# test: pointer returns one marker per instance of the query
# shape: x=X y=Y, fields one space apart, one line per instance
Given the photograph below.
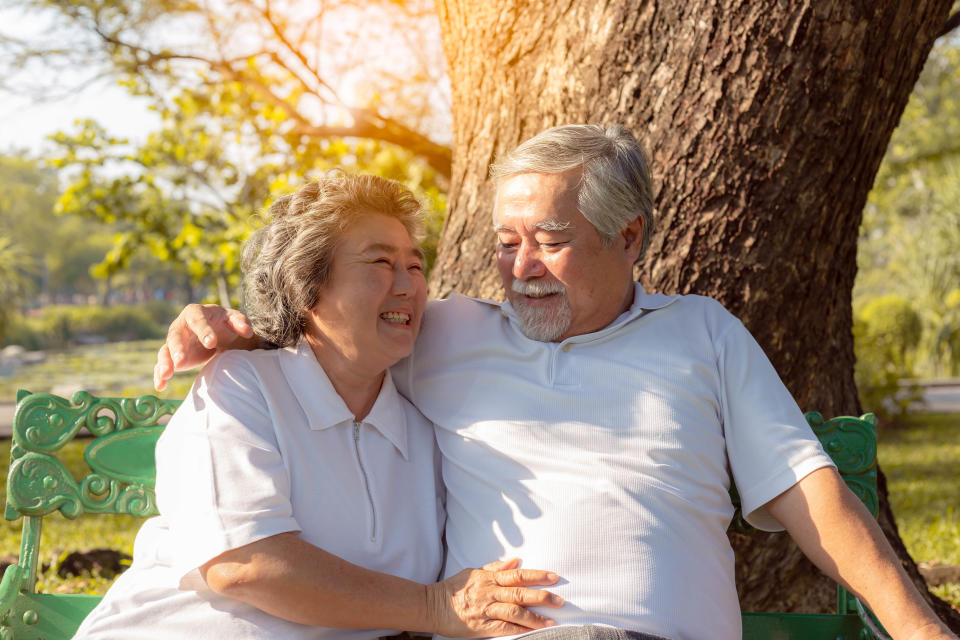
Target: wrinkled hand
x=492 y=601
x=198 y=334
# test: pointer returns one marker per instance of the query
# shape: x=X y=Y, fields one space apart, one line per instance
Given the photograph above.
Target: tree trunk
x=766 y=123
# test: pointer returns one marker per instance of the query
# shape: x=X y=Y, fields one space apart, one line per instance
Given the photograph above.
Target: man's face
x=558 y=275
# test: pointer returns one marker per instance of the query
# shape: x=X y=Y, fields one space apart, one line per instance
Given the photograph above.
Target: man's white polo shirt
x=607 y=457
x=264 y=445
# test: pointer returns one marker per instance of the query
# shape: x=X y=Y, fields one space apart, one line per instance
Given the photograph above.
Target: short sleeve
x=770 y=447
x=221 y=480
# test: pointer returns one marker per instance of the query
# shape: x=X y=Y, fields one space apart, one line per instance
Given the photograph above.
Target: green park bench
x=121 y=481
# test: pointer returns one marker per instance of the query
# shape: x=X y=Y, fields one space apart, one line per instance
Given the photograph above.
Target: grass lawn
x=61 y=536
x=113 y=369
x=920 y=458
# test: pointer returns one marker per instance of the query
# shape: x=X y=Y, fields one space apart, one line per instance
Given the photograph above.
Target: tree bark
x=766 y=124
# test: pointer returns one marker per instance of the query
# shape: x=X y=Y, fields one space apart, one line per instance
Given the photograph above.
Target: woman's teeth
x=396 y=316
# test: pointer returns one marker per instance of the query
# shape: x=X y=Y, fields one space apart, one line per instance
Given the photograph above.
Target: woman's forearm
x=297 y=581
x=292 y=579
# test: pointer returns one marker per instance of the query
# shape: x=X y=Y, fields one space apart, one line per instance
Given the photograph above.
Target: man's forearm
x=834 y=529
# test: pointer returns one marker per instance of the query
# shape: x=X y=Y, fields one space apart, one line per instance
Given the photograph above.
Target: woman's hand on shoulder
x=199 y=333
x=492 y=601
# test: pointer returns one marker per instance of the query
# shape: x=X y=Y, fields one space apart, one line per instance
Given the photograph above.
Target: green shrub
x=886 y=332
x=946 y=334
x=61 y=326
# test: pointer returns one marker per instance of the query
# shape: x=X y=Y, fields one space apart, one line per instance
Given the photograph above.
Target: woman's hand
x=491 y=601
x=198 y=334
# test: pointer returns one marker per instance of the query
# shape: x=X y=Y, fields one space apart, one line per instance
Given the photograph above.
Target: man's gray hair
x=615 y=187
x=287 y=263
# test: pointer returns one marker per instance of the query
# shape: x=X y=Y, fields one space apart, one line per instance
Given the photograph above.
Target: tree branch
x=952 y=23
x=438 y=156
x=278 y=31
x=145 y=57
x=367 y=123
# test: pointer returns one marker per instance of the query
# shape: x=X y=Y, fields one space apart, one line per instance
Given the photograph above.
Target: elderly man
x=594 y=429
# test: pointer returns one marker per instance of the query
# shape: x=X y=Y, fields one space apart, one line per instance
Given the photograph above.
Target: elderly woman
x=298 y=491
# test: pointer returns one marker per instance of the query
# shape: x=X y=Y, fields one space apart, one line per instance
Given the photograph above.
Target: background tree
x=14 y=281
x=766 y=124
x=886 y=332
x=191 y=194
x=53 y=256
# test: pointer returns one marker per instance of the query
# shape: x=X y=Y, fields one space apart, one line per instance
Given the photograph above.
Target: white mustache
x=537 y=288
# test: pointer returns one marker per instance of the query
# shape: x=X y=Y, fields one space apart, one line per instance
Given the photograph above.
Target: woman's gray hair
x=287 y=263
x=615 y=187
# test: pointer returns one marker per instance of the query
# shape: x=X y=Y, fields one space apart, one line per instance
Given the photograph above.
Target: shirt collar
x=642 y=303
x=325 y=408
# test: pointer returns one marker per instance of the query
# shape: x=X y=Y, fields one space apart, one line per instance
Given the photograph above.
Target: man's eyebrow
x=389 y=248
x=546 y=225
x=553 y=225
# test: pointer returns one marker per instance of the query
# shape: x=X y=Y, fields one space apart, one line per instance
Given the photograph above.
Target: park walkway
x=6 y=419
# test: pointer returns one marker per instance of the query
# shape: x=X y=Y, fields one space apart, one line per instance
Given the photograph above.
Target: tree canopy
x=248 y=107
x=337 y=69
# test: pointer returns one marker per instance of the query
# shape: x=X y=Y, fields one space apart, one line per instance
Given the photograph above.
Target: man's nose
x=527 y=263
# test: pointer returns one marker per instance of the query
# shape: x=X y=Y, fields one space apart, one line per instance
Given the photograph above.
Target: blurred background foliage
x=907 y=294
x=250 y=100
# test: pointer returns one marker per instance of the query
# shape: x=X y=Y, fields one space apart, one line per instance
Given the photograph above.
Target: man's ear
x=633 y=238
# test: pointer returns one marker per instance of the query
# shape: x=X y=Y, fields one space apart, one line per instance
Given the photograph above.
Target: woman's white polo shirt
x=264 y=445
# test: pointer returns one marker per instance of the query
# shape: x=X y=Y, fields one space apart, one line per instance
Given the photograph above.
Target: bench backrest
x=121 y=480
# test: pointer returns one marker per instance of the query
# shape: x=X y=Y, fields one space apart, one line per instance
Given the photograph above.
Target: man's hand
x=491 y=601
x=198 y=334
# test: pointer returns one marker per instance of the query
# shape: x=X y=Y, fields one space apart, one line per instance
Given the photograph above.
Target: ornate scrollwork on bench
x=120 y=457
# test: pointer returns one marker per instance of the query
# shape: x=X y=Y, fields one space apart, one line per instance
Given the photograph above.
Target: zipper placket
x=366 y=479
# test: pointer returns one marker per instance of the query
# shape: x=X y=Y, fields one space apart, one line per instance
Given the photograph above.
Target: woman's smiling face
x=369 y=311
